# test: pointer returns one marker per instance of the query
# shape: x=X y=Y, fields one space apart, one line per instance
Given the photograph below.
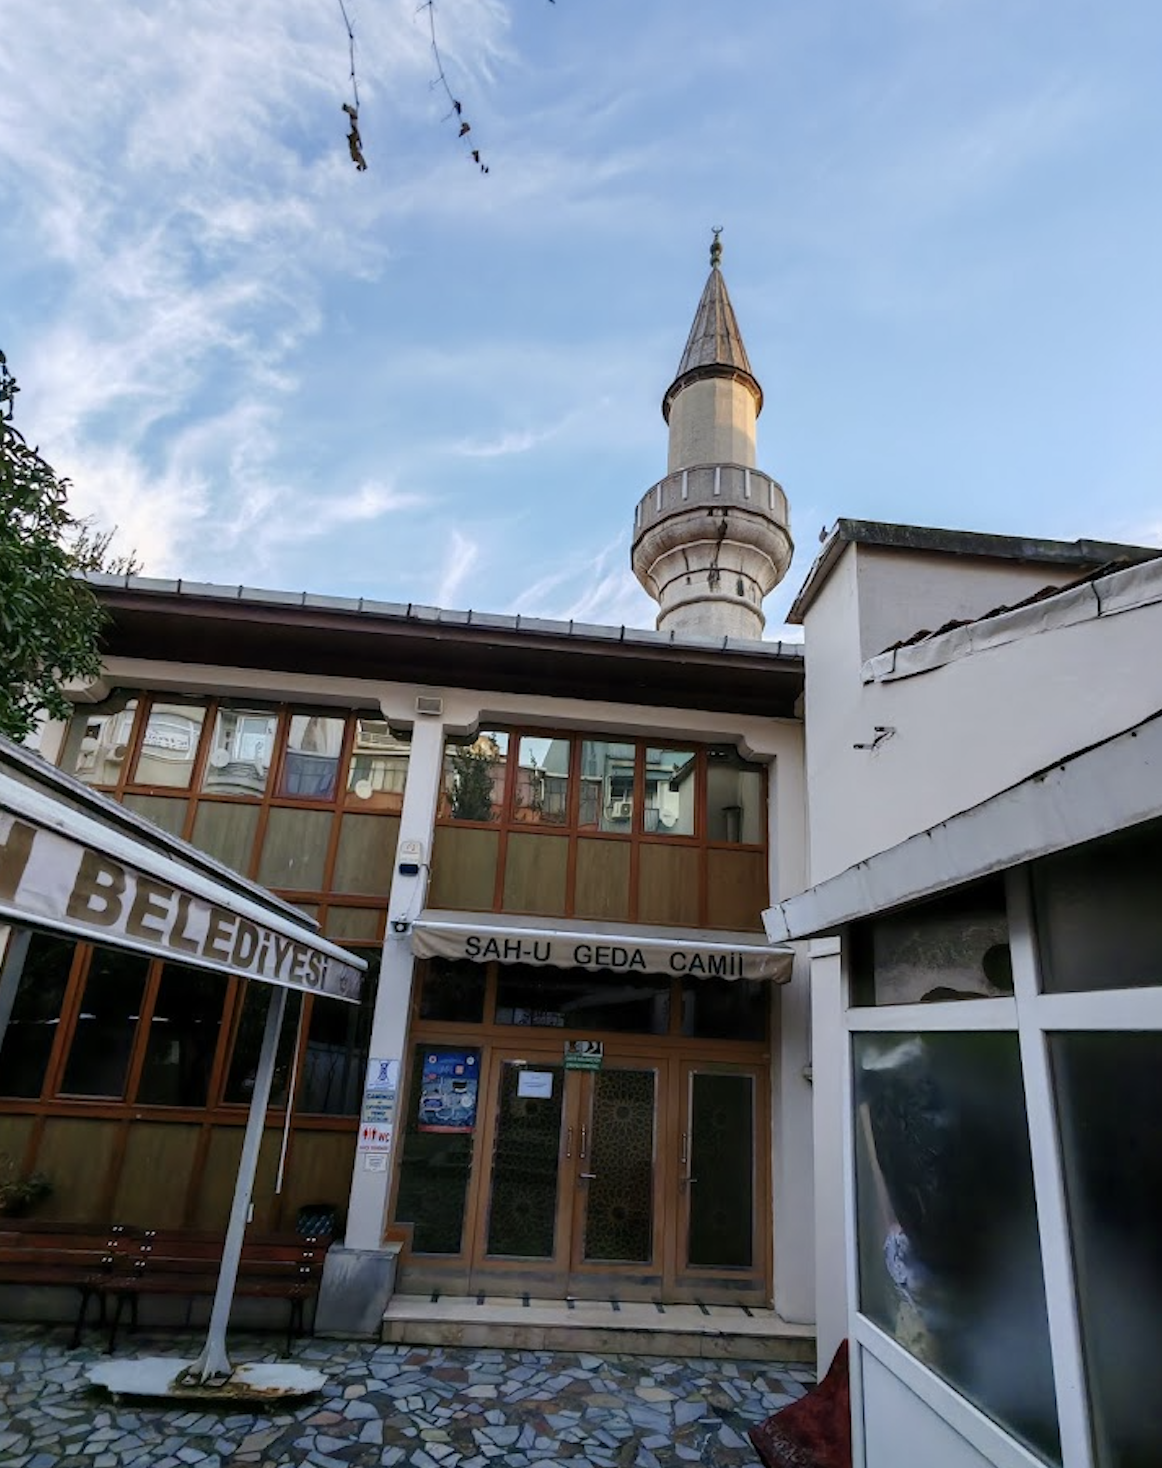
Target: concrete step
x=599 y=1327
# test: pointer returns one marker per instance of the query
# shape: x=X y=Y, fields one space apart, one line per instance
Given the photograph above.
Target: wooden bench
x=73 y=1256
x=185 y=1265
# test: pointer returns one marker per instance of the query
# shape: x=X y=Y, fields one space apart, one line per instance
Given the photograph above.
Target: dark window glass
x=183 y=1036
x=1099 y=921
x=453 y=990
x=103 y=1038
x=722 y=1009
x=434 y=1169
x=35 y=1015
x=722 y=1124
x=949 y=1253
x=578 y=1000
x=335 y=1060
x=248 y=1043
x=1111 y=1134
x=956 y=947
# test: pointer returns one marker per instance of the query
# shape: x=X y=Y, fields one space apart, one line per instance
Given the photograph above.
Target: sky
x=421 y=383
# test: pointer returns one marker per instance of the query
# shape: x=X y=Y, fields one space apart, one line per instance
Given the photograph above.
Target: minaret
x=712 y=537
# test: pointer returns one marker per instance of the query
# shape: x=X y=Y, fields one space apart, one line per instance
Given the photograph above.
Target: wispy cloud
x=460 y=557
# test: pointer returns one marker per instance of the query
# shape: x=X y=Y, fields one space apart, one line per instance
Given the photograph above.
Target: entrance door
x=572 y=1188
x=722 y=1186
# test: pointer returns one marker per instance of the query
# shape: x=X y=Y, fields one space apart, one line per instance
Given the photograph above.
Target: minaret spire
x=712 y=538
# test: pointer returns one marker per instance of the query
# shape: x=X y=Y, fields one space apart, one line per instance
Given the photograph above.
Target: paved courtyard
x=383 y=1405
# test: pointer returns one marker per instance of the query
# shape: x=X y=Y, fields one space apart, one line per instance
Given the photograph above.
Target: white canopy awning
x=619 y=948
x=63 y=868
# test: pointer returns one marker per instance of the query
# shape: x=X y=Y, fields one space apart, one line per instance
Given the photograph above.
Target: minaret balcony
x=709 y=487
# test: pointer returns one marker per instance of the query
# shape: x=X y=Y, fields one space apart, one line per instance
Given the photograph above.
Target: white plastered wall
x=959 y=734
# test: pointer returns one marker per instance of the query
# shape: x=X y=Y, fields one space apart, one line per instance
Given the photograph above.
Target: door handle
x=587 y=1176
x=685 y=1180
x=584 y=1143
x=568 y=1143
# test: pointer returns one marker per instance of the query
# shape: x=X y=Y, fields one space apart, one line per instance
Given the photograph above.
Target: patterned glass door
x=617 y=1223
x=722 y=1184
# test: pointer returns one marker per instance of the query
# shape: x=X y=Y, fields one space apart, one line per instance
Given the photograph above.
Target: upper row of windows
x=247 y=752
x=242 y=752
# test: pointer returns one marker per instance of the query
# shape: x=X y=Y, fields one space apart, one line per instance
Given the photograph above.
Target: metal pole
x=13 y=951
x=212 y=1368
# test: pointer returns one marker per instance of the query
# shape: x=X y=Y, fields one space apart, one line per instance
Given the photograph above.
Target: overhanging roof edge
x=1093 y=792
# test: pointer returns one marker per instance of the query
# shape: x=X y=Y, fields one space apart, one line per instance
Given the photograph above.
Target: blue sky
x=942 y=230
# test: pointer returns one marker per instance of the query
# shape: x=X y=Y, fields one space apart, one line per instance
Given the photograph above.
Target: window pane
x=1107 y=1097
x=671 y=786
x=241 y=751
x=1099 y=920
x=226 y=831
x=734 y=798
x=166 y=811
x=248 y=1043
x=335 y=1059
x=110 y=1008
x=311 y=764
x=434 y=1167
x=97 y=744
x=183 y=1036
x=725 y=1009
x=956 y=947
x=453 y=989
x=949 y=1254
x=474 y=778
x=606 y=786
x=578 y=1000
x=378 y=771
x=542 y=781
x=722 y=1126
x=169 y=745
x=35 y=1015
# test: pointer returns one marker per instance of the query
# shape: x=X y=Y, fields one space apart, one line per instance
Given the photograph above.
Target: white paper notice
x=537 y=1083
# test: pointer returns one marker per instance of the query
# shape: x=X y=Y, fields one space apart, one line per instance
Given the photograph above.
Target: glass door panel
x=617 y=1168
x=719 y=1180
x=526 y=1157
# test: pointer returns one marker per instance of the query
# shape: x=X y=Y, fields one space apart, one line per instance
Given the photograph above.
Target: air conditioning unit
x=432 y=707
x=620 y=810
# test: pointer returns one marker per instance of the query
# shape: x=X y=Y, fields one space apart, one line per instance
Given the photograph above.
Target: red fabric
x=815 y=1431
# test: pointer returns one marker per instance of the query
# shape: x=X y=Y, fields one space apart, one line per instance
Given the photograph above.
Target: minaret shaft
x=712 y=538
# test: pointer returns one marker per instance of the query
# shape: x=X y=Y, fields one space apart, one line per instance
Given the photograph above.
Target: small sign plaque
x=584 y=1054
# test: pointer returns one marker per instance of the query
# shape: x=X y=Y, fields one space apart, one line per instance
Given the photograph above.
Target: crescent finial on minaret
x=716 y=249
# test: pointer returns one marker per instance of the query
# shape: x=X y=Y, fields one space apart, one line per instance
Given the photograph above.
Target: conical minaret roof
x=714 y=347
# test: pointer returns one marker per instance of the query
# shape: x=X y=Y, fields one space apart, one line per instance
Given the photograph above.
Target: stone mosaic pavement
x=385 y=1405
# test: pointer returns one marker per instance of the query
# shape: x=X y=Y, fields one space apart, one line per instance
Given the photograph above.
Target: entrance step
x=600 y=1327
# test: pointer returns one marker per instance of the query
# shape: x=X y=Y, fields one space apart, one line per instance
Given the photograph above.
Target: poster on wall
x=448 y=1087
x=377 y=1116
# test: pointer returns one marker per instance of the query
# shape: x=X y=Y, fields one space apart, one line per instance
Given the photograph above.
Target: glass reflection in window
x=335 y=1054
x=97 y=744
x=103 y=1038
x=474 y=777
x=734 y=798
x=377 y=774
x=248 y=1045
x=240 y=753
x=949 y=1253
x=607 y=771
x=671 y=785
x=35 y=1017
x=183 y=1036
x=169 y=745
x=311 y=762
x=542 y=781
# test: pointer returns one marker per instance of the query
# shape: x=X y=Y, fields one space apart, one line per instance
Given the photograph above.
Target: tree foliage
x=49 y=619
x=471 y=793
